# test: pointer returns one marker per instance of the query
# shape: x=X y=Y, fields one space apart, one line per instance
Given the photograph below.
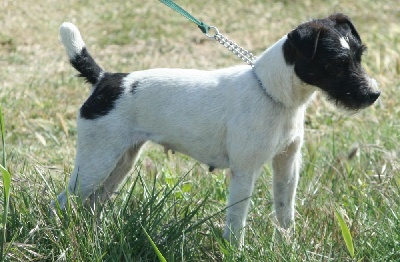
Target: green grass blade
x=6 y=186
x=160 y=256
x=345 y=233
x=2 y=129
x=6 y=181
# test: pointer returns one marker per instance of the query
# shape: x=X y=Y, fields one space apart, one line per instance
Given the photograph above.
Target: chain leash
x=239 y=51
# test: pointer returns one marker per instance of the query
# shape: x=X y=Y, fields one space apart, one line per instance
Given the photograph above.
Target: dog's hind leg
x=286 y=168
x=118 y=175
x=98 y=156
x=89 y=173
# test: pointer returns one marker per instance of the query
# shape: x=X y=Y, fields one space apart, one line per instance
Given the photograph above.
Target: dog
x=238 y=117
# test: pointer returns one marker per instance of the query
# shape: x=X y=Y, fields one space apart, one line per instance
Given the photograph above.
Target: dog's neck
x=272 y=71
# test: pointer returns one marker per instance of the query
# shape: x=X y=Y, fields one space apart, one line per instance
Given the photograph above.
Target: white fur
x=222 y=118
x=71 y=38
x=344 y=43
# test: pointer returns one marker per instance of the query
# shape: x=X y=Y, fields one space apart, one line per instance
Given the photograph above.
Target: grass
x=350 y=162
x=6 y=189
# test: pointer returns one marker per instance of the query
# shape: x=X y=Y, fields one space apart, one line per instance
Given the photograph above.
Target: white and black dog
x=238 y=117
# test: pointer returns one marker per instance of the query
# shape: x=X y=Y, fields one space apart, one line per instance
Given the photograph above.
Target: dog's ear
x=341 y=21
x=305 y=39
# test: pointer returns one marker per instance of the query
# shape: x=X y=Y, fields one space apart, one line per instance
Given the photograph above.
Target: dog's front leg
x=286 y=167
x=240 y=190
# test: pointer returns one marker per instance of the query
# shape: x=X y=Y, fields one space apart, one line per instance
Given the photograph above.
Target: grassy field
x=351 y=162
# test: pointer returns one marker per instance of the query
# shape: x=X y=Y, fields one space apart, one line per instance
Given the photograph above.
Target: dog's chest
x=275 y=134
x=291 y=128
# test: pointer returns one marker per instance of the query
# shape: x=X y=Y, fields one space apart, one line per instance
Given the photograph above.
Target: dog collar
x=265 y=89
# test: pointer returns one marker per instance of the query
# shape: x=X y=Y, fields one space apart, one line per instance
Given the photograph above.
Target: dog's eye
x=335 y=68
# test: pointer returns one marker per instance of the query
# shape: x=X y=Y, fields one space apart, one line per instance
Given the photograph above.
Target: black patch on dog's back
x=103 y=98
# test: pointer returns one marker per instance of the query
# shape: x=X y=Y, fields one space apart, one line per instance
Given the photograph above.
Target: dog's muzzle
x=374 y=93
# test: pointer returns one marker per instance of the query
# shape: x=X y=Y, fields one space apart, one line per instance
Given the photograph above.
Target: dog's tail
x=78 y=55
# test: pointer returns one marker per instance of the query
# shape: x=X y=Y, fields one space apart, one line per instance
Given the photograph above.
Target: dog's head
x=327 y=53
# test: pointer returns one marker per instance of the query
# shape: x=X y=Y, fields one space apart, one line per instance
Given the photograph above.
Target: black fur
x=103 y=98
x=319 y=59
x=86 y=66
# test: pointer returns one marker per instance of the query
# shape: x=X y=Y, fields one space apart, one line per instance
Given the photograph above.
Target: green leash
x=171 y=4
x=242 y=53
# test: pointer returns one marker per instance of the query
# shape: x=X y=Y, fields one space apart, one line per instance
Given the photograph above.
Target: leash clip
x=215 y=30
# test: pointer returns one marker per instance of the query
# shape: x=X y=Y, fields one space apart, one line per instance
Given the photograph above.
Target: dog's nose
x=374 y=95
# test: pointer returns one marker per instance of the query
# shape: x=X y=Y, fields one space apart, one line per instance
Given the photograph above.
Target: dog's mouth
x=356 y=98
x=355 y=103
